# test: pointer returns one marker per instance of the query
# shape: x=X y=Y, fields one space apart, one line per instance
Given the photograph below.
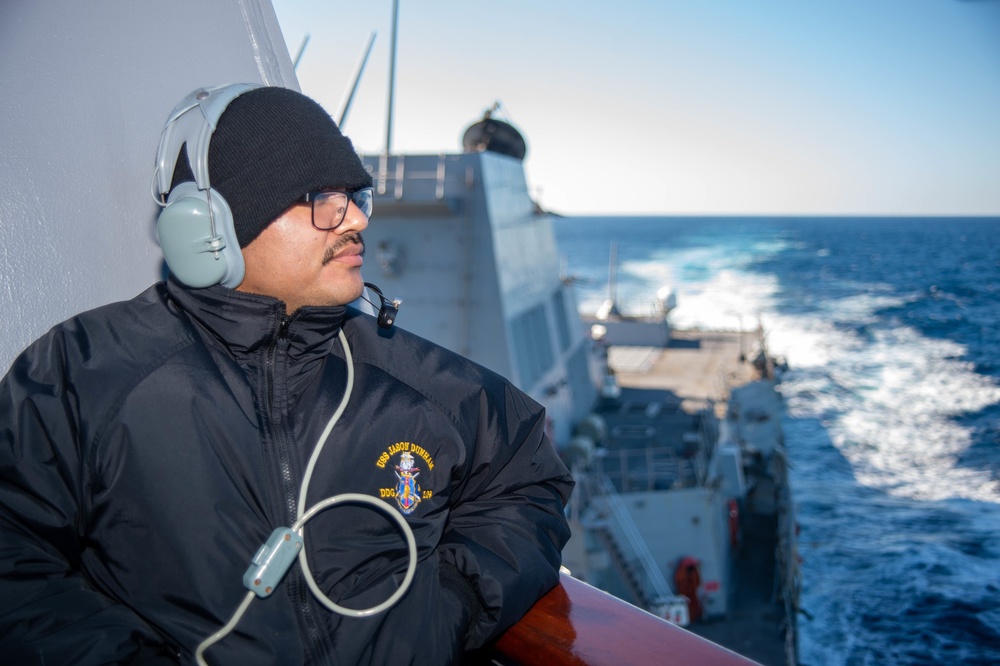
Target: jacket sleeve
x=506 y=527
x=49 y=611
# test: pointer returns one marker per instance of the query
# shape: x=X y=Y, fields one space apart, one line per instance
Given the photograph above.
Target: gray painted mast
x=383 y=162
x=392 y=77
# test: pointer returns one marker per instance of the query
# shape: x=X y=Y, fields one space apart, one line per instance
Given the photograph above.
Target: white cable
x=348 y=497
x=321 y=442
x=411 y=545
x=305 y=516
x=158 y=200
x=222 y=633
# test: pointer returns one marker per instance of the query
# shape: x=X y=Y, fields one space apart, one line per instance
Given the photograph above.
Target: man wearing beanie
x=163 y=459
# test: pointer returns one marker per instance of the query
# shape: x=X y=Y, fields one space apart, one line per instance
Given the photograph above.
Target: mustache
x=350 y=238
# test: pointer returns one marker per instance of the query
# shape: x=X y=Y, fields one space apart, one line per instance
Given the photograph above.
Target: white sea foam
x=730 y=301
x=804 y=344
x=712 y=289
x=900 y=435
x=888 y=404
x=861 y=308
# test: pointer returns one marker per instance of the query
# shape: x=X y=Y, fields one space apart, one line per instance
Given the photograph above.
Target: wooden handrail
x=575 y=624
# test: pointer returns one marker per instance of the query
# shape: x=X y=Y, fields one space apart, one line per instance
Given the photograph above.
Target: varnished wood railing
x=578 y=625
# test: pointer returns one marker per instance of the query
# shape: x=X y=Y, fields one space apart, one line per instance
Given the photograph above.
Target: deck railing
x=578 y=625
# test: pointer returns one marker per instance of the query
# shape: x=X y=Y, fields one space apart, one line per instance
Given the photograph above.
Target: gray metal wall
x=86 y=87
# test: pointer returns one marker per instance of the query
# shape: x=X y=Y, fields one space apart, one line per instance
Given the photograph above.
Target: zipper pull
x=282 y=337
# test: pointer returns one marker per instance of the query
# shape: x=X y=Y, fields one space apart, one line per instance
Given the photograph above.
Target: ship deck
x=693 y=372
x=695 y=366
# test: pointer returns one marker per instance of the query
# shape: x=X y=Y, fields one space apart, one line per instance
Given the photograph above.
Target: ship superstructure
x=458 y=240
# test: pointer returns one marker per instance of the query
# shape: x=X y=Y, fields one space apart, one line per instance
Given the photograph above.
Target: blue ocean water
x=891 y=327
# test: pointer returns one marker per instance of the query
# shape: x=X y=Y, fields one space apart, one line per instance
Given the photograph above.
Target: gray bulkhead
x=87 y=88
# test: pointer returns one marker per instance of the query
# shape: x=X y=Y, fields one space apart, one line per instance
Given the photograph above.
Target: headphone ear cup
x=194 y=255
x=195 y=228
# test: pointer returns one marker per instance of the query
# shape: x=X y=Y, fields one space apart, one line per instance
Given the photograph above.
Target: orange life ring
x=687 y=578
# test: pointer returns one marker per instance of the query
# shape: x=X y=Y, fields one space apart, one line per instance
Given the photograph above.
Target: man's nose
x=354 y=219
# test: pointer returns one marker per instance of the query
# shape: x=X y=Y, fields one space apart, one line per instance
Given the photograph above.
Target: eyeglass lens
x=330 y=208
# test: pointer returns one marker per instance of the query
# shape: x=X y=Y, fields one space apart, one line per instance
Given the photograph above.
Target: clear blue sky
x=686 y=106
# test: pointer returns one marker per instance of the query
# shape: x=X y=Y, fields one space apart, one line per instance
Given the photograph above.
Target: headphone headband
x=195 y=131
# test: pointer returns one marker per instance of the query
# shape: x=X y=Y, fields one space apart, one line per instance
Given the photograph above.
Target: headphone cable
x=285 y=538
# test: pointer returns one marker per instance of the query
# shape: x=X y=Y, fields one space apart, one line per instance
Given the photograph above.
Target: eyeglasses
x=329 y=207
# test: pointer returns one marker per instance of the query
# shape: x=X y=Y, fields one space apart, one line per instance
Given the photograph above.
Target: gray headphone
x=195 y=228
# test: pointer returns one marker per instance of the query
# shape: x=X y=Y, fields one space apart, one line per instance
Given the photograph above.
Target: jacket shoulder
x=127 y=333
x=96 y=352
x=444 y=377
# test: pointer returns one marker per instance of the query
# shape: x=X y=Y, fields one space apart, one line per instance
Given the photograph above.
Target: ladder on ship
x=620 y=536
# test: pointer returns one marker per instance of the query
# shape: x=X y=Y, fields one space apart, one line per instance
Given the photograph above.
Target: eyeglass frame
x=364 y=205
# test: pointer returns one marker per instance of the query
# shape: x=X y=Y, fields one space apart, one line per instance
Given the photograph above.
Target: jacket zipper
x=299 y=592
x=275 y=420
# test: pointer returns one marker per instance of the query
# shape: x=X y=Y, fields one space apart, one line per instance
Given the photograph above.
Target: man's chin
x=356 y=296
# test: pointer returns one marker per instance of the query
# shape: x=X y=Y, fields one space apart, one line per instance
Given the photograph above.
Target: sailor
x=149 y=448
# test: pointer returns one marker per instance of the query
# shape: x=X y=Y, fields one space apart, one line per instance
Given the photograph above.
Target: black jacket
x=148 y=448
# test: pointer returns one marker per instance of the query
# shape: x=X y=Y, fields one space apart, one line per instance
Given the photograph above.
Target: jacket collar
x=246 y=323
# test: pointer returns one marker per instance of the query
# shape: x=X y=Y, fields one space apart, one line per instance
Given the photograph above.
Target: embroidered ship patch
x=407 y=490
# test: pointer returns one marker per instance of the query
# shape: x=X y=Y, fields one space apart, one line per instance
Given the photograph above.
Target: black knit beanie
x=272 y=146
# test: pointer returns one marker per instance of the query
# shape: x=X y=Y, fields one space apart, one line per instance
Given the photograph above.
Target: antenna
x=298 y=56
x=609 y=308
x=357 y=80
x=613 y=274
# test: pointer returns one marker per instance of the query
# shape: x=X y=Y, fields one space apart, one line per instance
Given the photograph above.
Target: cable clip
x=272 y=561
